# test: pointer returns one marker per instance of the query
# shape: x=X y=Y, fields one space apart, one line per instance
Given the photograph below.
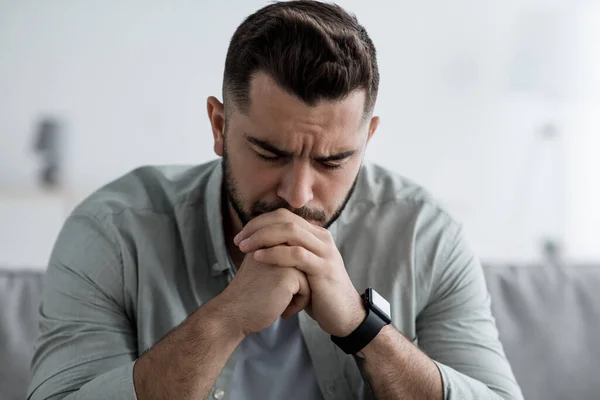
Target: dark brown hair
x=316 y=51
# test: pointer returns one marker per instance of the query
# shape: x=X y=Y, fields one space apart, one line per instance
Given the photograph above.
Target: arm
x=393 y=365
x=87 y=344
x=456 y=329
x=188 y=361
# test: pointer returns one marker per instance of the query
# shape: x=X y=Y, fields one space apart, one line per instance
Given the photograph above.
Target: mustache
x=307 y=213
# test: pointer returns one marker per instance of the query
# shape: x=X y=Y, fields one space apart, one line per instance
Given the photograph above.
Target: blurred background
x=494 y=106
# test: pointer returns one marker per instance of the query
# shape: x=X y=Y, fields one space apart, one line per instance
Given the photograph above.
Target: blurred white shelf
x=37 y=192
x=30 y=219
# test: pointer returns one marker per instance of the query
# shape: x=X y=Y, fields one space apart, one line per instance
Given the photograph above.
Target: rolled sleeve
x=457 y=330
x=87 y=344
x=116 y=384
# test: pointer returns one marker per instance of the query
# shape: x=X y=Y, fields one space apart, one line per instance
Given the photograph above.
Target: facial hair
x=261 y=207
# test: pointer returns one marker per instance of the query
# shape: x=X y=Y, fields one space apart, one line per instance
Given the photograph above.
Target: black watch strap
x=363 y=335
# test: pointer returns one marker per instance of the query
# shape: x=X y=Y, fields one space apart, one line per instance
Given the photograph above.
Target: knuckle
x=286 y=279
x=325 y=234
x=321 y=230
x=322 y=233
x=298 y=253
x=290 y=226
x=256 y=236
x=250 y=224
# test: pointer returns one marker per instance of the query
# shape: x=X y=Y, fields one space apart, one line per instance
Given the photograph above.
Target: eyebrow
x=282 y=153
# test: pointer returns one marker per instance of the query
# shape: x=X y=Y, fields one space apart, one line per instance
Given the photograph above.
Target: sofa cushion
x=20 y=294
x=548 y=319
x=549 y=324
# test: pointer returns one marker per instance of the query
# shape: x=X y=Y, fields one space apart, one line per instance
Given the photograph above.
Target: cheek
x=330 y=191
x=255 y=182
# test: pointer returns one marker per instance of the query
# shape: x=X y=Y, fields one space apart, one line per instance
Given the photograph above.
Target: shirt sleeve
x=86 y=346
x=457 y=330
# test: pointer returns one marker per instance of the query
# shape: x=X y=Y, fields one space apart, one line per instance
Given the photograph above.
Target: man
x=242 y=279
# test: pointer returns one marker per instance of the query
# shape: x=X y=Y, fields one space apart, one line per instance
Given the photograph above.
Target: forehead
x=273 y=111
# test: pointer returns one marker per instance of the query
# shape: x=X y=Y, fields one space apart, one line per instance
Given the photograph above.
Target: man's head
x=299 y=89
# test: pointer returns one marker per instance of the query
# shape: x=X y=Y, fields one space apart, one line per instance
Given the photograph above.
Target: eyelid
x=338 y=158
x=335 y=162
x=265 y=153
x=269 y=156
x=332 y=166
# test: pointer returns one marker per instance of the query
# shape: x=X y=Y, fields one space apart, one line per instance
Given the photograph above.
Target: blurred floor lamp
x=543 y=69
x=48 y=145
x=557 y=63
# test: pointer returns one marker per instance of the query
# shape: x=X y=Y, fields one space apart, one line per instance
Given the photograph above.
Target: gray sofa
x=548 y=318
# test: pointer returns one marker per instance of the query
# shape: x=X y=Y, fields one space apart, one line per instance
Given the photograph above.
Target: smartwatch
x=378 y=316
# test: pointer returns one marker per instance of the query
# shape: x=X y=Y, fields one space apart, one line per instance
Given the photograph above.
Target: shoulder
x=149 y=189
x=385 y=195
x=129 y=221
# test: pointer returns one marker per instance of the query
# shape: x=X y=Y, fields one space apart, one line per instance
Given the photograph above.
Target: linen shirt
x=145 y=251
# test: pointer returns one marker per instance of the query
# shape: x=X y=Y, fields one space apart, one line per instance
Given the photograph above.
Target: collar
x=214 y=217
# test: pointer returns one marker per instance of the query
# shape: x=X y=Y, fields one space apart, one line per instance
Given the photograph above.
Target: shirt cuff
x=115 y=384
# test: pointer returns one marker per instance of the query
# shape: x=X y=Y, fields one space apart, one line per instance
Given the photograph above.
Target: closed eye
x=275 y=158
x=268 y=158
x=331 y=166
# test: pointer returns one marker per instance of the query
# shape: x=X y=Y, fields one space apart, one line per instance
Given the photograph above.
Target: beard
x=232 y=194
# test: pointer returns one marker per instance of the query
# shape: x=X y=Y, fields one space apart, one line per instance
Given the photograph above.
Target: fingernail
x=237 y=238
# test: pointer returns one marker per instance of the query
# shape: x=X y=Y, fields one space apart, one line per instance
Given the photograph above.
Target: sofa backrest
x=548 y=319
x=20 y=294
x=549 y=324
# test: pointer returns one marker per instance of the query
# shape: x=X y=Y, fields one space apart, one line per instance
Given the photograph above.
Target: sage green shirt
x=144 y=252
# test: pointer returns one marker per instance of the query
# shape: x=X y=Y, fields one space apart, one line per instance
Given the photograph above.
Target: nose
x=296 y=184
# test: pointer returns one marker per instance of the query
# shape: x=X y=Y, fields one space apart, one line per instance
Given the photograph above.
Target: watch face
x=379 y=302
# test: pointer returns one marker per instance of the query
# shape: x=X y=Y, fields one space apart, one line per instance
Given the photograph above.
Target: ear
x=216 y=115
x=373 y=127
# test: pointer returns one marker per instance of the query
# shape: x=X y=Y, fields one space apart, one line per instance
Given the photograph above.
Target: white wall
x=465 y=87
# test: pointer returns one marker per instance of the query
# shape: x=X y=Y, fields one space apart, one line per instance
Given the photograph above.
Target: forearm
x=395 y=368
x=186 y=363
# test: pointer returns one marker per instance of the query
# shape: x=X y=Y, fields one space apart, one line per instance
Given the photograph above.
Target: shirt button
x=219 y=394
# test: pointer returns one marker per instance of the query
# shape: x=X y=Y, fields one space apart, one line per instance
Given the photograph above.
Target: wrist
x=377 y=345
x=376 y=317
x=356 y=315
x=356 y=318
x=217 y=316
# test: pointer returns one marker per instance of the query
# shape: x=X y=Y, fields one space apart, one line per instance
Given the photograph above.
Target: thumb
x=301 y=299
